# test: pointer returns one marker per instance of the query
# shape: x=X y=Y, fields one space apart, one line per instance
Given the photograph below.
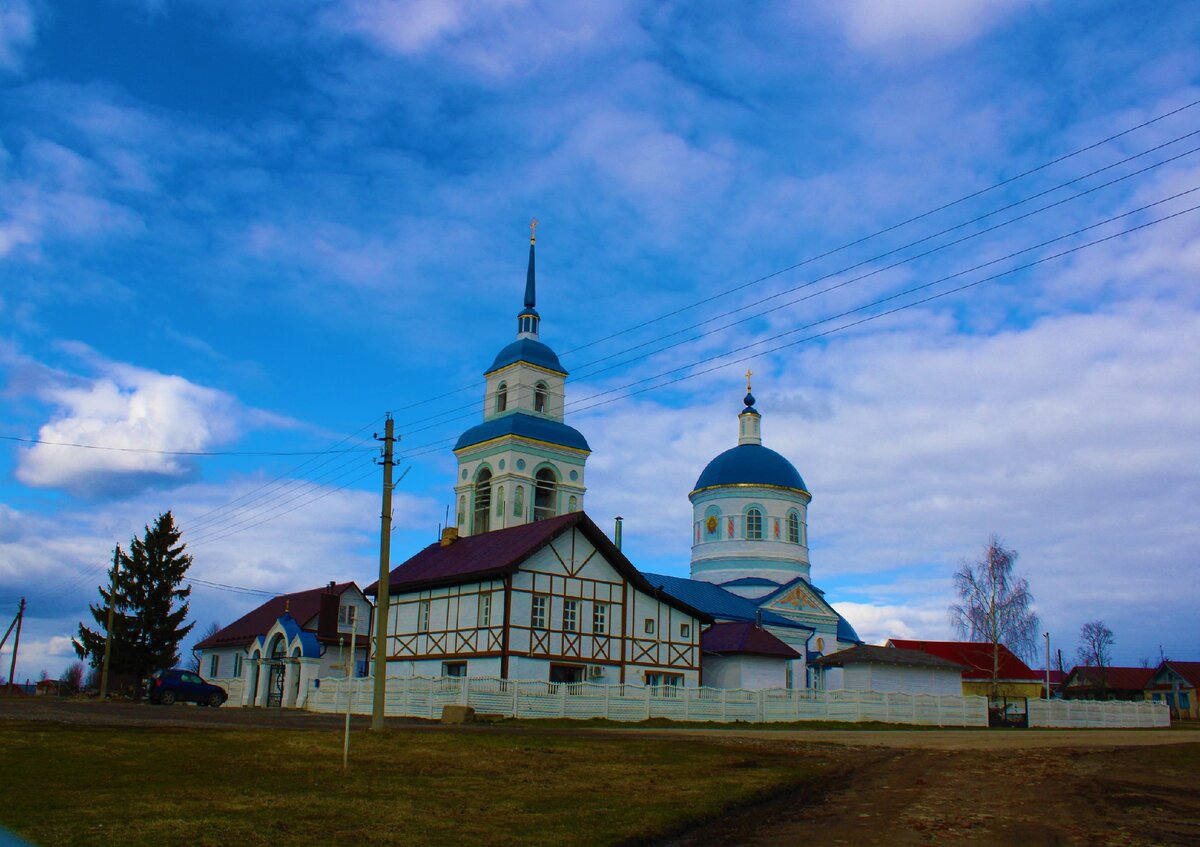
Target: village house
x=1109 y=683
x=278 y=647
x=1176 y=684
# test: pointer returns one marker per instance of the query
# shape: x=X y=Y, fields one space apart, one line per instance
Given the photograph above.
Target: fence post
x=647 y=690
x=516 y=699
x=762 y=705
x=562 y=699
x=464 y=696
x=724 y=711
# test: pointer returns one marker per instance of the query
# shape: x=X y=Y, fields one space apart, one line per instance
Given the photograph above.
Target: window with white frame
x=570 y=616
x=685 y=631
x=237 y=664
x=423 y=617
x=656 y=678
x=793 y=528
x=754 y=524
x=454 y=668
x=600 y=618
x=344 y=615
x=537 y=612
x=648 y=626
x=214 y=665
x=484 y=618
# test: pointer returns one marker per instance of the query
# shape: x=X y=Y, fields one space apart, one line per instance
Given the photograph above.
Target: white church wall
x=744 y=671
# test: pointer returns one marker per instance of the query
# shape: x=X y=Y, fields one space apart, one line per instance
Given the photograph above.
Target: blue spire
x=530 y=286
x=528 y=319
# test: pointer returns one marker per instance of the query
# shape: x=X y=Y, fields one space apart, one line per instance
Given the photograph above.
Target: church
x=526 y=586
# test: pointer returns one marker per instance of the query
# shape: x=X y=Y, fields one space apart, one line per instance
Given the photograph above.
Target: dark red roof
x=301 y=605
x=1188 y=670
x=975 y=656
x=501 y=551
x=743 y=637
x=1117 y=679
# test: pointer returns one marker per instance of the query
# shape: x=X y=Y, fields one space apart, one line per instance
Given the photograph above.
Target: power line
x=444 y=416
x=448 y=415
x=891 y=228
x=181 y=452
x=429 y=447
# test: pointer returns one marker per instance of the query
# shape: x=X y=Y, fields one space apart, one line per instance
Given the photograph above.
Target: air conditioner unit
x=595 y=671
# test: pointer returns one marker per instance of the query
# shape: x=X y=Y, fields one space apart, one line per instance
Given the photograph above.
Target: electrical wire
x=177 y=452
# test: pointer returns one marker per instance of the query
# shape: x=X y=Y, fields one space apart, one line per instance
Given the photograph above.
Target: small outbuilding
x=1014 y=678
x=889 y=669
x=1086 y=682
x=738 y=654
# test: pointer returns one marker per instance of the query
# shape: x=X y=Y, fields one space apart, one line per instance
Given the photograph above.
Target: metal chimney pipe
x=617 y=532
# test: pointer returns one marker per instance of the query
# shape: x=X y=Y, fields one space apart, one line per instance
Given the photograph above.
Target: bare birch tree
x=995 y=605
x=1095 y=651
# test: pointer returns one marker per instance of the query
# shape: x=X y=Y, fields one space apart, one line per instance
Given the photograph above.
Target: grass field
x=85 y=785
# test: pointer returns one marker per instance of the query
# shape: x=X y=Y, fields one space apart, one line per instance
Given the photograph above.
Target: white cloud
x=884 y=26
x=18 y=29
x=125 y=407
x=495 y=37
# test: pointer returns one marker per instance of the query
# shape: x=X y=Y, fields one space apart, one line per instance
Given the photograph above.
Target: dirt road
x=1001 y=794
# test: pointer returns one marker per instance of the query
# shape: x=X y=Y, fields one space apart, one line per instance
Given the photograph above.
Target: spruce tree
x=149 y=606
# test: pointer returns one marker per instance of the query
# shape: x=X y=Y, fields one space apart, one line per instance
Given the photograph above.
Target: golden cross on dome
x=533 y=231
x=749 y=373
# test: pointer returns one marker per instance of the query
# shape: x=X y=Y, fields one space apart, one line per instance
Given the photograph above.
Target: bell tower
x=522 y=464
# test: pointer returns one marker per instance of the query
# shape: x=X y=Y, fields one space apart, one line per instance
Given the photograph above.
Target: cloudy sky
x=954 y=241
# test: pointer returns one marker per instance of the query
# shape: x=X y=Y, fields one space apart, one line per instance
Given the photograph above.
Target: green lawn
x=84 y=785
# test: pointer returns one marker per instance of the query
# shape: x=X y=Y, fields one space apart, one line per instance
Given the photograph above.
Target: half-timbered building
x=553 y=600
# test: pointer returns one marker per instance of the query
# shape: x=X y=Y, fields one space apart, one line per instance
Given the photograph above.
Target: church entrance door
x=275 y=685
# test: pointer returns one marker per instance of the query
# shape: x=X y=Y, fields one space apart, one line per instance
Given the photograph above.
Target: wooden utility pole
x=12 y=667
x=112 y=602
x=381 y=595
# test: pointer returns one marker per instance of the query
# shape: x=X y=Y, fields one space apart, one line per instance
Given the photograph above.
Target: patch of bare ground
x=1108 y=797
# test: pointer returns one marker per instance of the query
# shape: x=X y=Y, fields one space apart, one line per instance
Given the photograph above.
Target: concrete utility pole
x=112 y=596
x=381 y=596
x=1047 y=664
x=12 y=668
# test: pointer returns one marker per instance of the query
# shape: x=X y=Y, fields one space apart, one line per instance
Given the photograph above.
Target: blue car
x=166 y=687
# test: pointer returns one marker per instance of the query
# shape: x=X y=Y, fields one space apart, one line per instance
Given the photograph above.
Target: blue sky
x=259 y=227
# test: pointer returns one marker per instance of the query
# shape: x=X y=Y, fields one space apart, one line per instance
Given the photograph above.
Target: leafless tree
x=1095 y=645
x=44 y=675
x=995 y=605
x=72 y=678
x=1095 y=651
x=213 y=629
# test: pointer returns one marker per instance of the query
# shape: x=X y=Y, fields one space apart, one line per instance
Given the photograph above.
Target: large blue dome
x=527 y=350
x=750 y=464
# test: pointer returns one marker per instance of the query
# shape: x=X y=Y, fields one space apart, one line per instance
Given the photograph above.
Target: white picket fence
x=233 y=688
x=424 y=697
x=1093 y=714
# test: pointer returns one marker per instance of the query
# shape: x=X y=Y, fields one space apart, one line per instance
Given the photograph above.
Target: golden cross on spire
x=749 y=373
x=533 y=231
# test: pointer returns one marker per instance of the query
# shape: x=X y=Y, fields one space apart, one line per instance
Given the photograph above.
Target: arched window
x=754 y=525
x=545 y=497
x=793 y=528
x=462 y=510
x=572 y=504
x=539 y=397
x=501 y=397
x=519 y=502
x=500 y=502
x=483 y=500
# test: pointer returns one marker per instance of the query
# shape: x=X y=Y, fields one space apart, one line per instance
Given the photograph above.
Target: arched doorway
x=277 y=652
x=483 y=501
x=545 y=497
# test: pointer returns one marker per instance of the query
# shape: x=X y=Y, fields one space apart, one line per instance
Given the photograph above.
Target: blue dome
x=750 y=464
x=525 y=426
x=527 y=350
